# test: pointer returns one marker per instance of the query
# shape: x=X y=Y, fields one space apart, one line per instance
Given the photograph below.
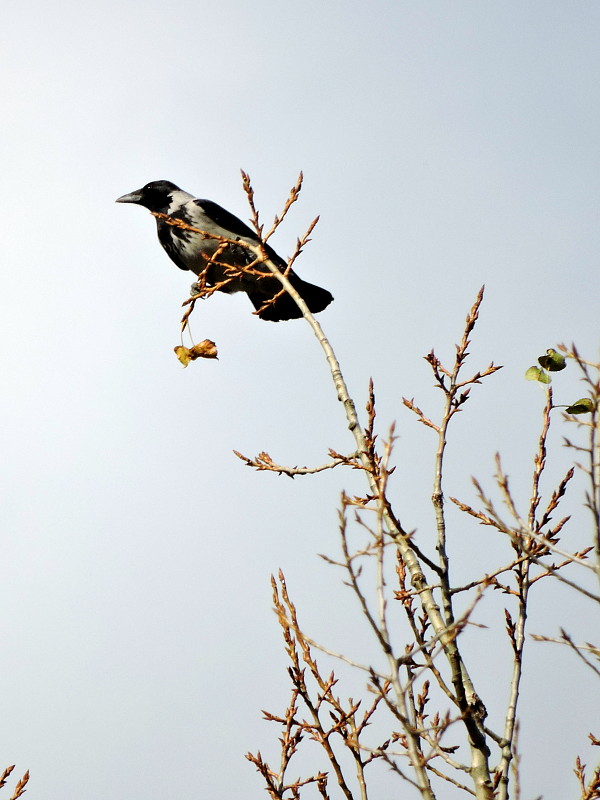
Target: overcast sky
x=445 y=145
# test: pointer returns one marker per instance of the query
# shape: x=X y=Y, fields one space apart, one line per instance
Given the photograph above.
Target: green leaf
x=582 y=406
x=537 y=374
x=552 y=361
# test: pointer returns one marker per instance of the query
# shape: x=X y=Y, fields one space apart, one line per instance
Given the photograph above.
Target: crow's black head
x=155 y=196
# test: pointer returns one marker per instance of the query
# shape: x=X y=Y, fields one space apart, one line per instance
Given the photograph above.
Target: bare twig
x=263 y=461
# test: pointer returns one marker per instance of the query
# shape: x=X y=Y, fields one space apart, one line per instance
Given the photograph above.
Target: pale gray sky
x=445 y=145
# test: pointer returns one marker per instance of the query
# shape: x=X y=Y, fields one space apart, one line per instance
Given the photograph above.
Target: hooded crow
x=193 y=251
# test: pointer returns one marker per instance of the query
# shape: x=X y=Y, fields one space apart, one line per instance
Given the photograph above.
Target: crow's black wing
x=225 y=219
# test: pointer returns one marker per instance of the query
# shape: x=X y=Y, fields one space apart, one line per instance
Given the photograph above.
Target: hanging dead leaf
x=205 y=349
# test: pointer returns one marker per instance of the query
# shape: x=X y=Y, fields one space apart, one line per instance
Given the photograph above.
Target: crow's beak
x=132 y=197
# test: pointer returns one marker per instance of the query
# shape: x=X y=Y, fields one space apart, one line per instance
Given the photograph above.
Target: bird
x=193 y=251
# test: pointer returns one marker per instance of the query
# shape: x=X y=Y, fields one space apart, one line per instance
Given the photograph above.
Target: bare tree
x=421 y=715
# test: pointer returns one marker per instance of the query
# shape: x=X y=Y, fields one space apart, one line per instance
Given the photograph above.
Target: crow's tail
x=284 y=307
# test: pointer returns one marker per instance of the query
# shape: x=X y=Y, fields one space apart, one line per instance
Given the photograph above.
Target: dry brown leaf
x=205 y=349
